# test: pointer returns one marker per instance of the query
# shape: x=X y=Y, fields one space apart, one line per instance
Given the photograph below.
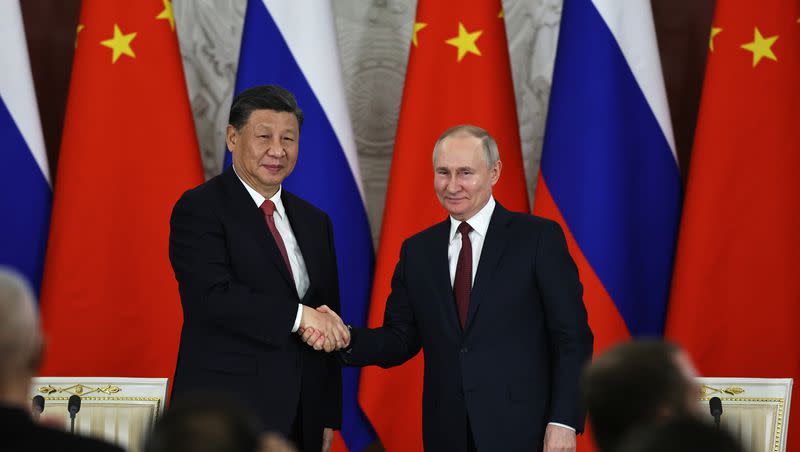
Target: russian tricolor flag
x=609 y=170
x=293 y=44
x=25 y=194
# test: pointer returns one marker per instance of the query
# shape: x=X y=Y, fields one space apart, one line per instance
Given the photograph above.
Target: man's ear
x=231 y=137
x=498 y=167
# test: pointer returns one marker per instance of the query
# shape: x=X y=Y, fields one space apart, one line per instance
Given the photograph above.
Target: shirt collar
x=479 y=222
x=259 y=199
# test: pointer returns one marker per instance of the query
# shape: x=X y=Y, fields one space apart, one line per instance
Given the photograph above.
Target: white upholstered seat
x=755 y=410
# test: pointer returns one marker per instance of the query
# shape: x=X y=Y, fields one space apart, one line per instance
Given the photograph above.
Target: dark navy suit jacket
x=516 y=366
x=239 y=305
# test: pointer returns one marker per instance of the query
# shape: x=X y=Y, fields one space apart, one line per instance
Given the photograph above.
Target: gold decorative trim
x=79 y=389
x=730 y=390
x=780 y=401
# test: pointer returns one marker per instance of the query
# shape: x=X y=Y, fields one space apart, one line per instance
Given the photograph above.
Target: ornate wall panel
x=210 y=32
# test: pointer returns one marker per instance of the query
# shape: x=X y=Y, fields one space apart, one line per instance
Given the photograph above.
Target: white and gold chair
x=118 y=410
x=754 y=410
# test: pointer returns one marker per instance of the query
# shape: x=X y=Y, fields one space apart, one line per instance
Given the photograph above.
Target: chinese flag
x=110 y=304
x=735 y=301
x=458 y=73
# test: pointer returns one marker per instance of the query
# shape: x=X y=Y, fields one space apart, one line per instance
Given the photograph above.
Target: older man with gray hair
x=20 y=354
x=493 y=298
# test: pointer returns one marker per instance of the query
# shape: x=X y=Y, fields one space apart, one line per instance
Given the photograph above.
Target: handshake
x=322 y=329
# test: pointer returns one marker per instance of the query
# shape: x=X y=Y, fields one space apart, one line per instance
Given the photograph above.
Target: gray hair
x=490 y=150
x=20 y=337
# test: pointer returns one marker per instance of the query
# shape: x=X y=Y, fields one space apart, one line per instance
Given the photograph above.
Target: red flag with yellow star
x=458 y=73
x=735 y=300
x=110 y=303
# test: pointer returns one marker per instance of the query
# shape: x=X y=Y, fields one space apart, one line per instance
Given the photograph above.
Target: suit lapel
x=440 y=270
x=243 y=207
x=493 y=248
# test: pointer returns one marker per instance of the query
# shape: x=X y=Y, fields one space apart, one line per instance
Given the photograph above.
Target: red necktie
x=268 y=207
x=462 y=283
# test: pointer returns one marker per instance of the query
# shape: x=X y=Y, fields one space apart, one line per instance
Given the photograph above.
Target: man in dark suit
x=252 y=262
x=21 y=345
x=493 y=298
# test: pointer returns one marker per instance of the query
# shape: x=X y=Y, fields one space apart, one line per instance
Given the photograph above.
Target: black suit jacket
x=21 y=434
x=516 y=366
x=239 y=305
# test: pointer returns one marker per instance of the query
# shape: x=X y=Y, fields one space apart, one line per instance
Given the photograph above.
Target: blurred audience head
x=20 y=338
x=211 y=423
x=685 y=435
x=636 y=384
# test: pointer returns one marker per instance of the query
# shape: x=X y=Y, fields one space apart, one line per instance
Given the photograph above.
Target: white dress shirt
x=477 y=236
x=480 y=224
x=299 y=271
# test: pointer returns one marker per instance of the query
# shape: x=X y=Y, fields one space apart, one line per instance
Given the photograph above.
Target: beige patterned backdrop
x=374 y=37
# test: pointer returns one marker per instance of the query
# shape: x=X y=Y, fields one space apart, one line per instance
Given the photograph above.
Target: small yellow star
x=167 y=14
x=78 y=32
x=120 y=44
x=501 y=14
x=417 y=27
x=761 y=47
x=465 y=41
x=714 y=31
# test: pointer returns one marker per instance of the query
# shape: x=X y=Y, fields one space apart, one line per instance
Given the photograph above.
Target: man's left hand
x=327 y=439
x=559 y=439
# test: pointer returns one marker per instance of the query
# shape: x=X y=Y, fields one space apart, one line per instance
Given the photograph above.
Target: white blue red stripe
x=293 y=44
x=25 y=193
x=609 y=157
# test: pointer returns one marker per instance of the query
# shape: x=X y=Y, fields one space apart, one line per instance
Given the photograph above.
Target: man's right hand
x=322 y=329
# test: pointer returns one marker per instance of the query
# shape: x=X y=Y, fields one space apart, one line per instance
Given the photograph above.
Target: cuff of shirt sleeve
x=561 y=425
x=297 y=319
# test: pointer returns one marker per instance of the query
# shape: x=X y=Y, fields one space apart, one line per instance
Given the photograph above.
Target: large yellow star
x=417 y=27
x=465 y=41
x=167 y=14
x=761 y=47
x=120 y=44
x=714 y=31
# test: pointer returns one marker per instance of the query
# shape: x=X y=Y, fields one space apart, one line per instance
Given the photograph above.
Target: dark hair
x=685 y=435
x=204 y=423
x=263 y=97
x=632 y=385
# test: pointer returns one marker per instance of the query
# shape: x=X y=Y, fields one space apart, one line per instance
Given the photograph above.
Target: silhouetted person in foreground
x=211 y=423
x=20 y=356
x=635 y=385
x=684 y=435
